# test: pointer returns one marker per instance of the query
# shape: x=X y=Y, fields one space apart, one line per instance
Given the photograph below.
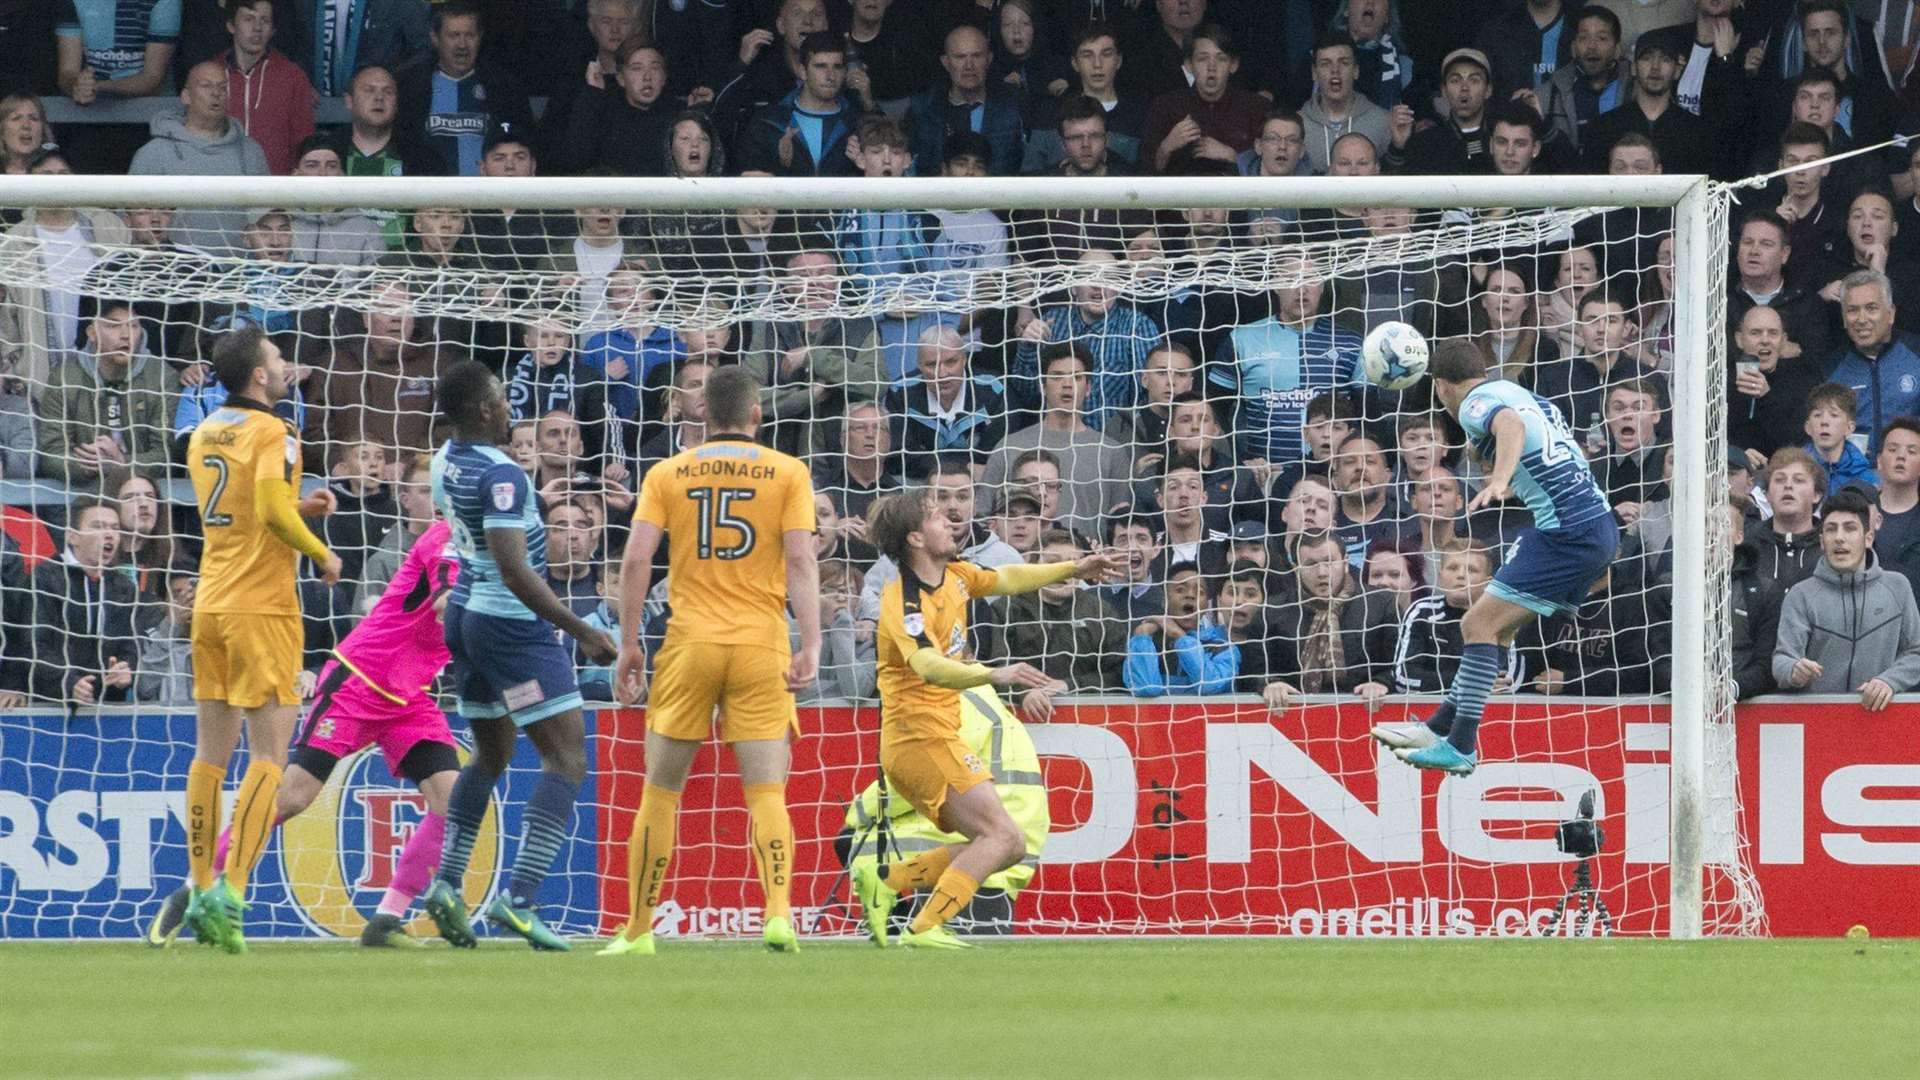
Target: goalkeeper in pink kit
x=376 y=689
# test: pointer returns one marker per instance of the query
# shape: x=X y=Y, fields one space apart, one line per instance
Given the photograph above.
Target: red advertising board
x=1219 y=817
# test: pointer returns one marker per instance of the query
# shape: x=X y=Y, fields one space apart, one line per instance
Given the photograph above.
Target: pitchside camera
x=1581 y=837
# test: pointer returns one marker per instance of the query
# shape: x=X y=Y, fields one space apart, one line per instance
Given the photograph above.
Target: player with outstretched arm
x=1528 y=452
x=923 y=667
x=509 y=669
x=740 y=520
x=376 y=689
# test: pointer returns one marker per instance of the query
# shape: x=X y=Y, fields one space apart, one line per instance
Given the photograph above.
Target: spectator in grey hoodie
x=203 y=142
x=166 y=648
x=1851 y=628
x=333 y=237
x=1337 y=107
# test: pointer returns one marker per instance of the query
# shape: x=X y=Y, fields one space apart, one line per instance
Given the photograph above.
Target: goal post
x=1708 y=890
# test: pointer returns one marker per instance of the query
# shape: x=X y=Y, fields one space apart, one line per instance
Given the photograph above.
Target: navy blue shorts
x=509 y=667
x=1550 y=570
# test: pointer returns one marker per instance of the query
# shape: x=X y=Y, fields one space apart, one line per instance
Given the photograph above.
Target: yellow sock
x=919 y=872
x=949 y=896
x=772 y=835
x=203 y=820
x=648 y=853
x=253 y=816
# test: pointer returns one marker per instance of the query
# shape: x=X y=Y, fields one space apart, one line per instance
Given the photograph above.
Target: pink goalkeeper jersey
x=399 y=647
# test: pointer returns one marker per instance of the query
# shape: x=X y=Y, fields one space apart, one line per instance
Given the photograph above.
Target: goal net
x=1167 y=369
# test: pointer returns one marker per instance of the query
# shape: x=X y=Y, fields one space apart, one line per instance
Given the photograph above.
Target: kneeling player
x=375 y=690
x=922 y=671
x=995 y=733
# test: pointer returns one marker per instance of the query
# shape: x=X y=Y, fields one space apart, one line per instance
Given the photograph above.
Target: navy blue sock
x=1479 y=666
x=1441 y=721
x=466 y=808
x=549 y=812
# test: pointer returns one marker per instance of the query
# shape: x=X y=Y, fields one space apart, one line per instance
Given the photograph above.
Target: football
x=1394 y=356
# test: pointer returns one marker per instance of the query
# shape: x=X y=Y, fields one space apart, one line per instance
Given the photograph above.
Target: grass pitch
x=1014 y=1010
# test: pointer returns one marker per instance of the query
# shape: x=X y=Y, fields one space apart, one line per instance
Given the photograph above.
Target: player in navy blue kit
x=1528 y=452
x=509 y=669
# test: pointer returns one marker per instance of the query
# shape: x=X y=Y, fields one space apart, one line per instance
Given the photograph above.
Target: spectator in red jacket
x=267 y=94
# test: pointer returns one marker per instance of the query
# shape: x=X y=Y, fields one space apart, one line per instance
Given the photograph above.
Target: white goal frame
x=1693 y=200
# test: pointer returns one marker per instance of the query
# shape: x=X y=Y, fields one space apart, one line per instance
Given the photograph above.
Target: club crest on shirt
x=1477 y=410
x=503 y=496
x=973 y=763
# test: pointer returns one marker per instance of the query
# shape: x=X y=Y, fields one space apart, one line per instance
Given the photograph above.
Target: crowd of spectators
x=1288 y=528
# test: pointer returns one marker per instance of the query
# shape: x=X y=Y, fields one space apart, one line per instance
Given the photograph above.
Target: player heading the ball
x=740 y=520
x=1527 y=451
x=923 y=666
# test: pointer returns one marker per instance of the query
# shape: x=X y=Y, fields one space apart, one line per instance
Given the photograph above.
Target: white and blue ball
x=1394 y=356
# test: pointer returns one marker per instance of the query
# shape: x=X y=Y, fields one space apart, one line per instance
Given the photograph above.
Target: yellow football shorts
x=923 y=770
x=247 y=660
x=747 y=683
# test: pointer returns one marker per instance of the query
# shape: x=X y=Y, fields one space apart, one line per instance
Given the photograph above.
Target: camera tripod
x=1584 y=897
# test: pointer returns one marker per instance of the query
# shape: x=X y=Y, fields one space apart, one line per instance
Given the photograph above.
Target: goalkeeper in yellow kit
x=922 y=670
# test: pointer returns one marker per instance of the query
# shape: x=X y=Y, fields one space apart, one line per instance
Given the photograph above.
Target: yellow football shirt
x=244 y=567
x=915 y=615
x=726 y=506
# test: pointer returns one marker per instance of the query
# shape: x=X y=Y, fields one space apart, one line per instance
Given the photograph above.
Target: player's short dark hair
x=464 y=391
x=893 y=518
x=732 y=392
x=1078 y=107
x=1837 y=395
x=1595 y=11
x=821 y=41
x=1908 y=424
x=1455 y=360
x=236 y=355
x=1848 y=501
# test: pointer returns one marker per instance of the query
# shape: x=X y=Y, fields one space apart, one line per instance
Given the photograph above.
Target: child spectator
x=1211 y=121
x=365 y=509
x=805 y=133
x=1790 y=546
x=1897 y=540
x=1428 y=650
x=165 y=676
x=1832 y=411
x=1397 y=571
x=1020 y=522
x=1753 y=613
x=1852 y=627
x=551 y=376
x=1184 y=651
x=596 y=680
x=523 y=446
x=1137 y=594
x=1245 y=615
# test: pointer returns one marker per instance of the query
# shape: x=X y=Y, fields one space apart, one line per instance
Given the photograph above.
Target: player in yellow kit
x=923 y=666
x=740 y=518
x=245 y=465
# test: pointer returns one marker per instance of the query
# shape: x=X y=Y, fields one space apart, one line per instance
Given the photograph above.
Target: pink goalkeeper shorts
x=347 y=716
